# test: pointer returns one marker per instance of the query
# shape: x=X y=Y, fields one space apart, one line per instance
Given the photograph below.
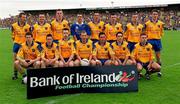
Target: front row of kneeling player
x=84 y=52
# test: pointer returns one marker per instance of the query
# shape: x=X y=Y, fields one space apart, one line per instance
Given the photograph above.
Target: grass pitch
x=165 y=90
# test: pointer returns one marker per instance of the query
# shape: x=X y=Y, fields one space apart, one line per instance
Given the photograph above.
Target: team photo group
x=96 y=43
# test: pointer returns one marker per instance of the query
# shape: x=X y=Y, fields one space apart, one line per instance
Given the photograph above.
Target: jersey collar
x=31 y=44
x=19 y=23
x=47 y=44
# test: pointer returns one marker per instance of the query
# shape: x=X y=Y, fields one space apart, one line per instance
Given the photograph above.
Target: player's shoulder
x=71 y=41
x=102 y=22
x=149 y=21
x=140 y=25
x=47 y=24
x=113 y=44
x=23 y=45
x=53 y=21
x=90 y=23
x=77 y=42
x=119 y=24
x=65 y=21
x=149 y=45
x=137 y=45
x=90 y=41
x=107 y=44
x=54 y=45
x=125 y=43
x=15 y=24
x=160 y=22
x=128 y=24
x=107 y=25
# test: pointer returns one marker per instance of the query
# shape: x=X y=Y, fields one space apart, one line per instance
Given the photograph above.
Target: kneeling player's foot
x=22 y=82
x=14 y=77
x=147 y=76
x=159 y=74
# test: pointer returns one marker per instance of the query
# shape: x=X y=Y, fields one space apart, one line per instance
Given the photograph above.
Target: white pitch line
x=172 y=65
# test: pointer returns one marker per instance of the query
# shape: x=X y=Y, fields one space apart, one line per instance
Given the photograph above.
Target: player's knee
x=129 y=62
x=116 y=63
x=61 y=64
x=76 y=62
x=71 y=64
x=93 y=63
x=139 y=67
x=16 y=62
x=108 y=62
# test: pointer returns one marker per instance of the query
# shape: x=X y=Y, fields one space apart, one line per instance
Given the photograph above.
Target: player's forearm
x=37 y=59
x=71 y=57
x=62 y=59
x=90 y=57
x=94 y=57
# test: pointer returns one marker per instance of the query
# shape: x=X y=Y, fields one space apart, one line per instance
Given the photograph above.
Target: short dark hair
x=29 y=33
x=49 y=35
x=135 y=13
x=143 y=34
x=58 y=10
x=83 y=31
x=41 y=13
x=119 y=33
x=113 y=14
x=102 y=33
x=155 y=10
x=20 y=14
x=65 y=29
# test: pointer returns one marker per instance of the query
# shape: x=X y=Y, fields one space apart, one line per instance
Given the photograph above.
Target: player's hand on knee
x=25 y=63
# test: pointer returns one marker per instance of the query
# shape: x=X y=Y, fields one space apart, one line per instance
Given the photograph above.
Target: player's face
x=79 y=18
x=102 y=38
x=155 y=15
x=113 y=18
x=96 y=16
x=29 y=38
x=23 y=18
x=134 y=18
x=49 y=40
x=84 y=37
x=65 y=34
x=143 y=39
x=59 y=14
x=41 y=18
x=119 y=37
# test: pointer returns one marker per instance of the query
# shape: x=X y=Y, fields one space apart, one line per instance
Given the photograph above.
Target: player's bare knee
x=71 y=64
x=16 y=62
x=61 y=64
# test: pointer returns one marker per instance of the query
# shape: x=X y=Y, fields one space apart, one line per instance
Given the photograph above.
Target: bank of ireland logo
x=125 y=77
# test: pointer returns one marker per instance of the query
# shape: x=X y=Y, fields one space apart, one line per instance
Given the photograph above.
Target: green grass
x=165 y=90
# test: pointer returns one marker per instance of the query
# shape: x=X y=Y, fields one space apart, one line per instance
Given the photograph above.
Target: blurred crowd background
x=170 y=15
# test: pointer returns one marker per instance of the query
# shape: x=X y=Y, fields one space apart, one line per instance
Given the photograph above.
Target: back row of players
x=44 y=45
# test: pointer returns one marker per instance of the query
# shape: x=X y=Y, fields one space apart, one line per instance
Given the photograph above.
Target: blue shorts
x=144 y=65
x=56 y=41
x=66 y=59
x=39 y=46
x=122 y=60
x=16 y=47
x=103 y=61
x=131 y=46
x=156 y=43
x=94 y=40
